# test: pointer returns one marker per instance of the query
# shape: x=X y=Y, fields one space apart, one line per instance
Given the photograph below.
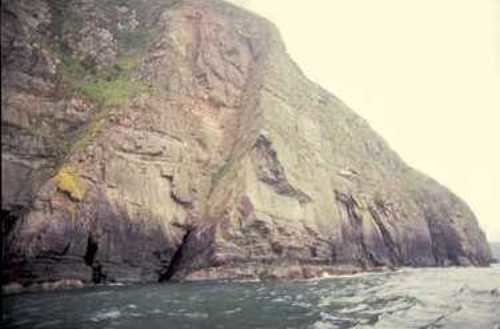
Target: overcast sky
x=424 y=73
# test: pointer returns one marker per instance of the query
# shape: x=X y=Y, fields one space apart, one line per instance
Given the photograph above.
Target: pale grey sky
x=424 y=73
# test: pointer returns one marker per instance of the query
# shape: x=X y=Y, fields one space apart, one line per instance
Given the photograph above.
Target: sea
x=429 y=298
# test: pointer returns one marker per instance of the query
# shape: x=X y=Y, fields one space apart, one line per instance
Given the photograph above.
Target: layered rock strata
x=177 y=140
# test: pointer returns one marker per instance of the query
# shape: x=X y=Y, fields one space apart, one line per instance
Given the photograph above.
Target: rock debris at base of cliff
x=177 y=140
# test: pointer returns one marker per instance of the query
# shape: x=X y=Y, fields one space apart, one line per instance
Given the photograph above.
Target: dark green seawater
x=467 y=298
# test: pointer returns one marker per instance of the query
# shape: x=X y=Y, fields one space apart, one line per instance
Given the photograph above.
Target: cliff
x=159 y=140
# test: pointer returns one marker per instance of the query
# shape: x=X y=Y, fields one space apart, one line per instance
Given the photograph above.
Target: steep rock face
x=156 y=140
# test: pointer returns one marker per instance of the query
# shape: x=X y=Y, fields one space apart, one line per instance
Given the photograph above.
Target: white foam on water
x=233 y=311
x=333 y=319
x=323 y=325
x=108 y=315
x=196 y=315
x=326 y=276
x=278 y=300
x=356 y=308
x=302 y=304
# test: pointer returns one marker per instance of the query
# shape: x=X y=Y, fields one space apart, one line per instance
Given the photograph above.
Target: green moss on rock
x=113 y=93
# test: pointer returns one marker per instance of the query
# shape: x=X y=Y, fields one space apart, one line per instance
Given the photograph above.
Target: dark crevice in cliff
x=8 y=222
x=271 y=171
x=91 y=251
x=350 y=205
x=170 y=270
x=354 y=232
x=98 y=275
x=392 y=248
x=9 y=219
x=445 y=245
x=373 y=259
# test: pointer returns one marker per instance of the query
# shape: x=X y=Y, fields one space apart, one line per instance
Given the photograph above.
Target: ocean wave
x=106 y=315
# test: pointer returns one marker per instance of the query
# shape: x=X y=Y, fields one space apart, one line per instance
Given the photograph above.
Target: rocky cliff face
x=157 y=140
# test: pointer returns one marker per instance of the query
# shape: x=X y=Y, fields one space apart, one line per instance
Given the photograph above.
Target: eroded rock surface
x=157 y=140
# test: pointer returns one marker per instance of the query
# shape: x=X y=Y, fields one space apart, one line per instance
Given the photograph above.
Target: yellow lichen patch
x=68 y=180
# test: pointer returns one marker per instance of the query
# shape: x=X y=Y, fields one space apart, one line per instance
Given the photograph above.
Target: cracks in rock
x=90 y=259
x=271 y=172
x=355 y=230
x=350 y=205
x=276 y=95
x=251 y=48
x=90 y=253
x=392 y=247
x=169 y=271
x=64 y=251
x=445 y=245
x=176 y=194
x=9 y=219
x=183 y=202
x=8 y=222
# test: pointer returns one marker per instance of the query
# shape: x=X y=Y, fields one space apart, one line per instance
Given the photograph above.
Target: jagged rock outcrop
x=157 y=140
